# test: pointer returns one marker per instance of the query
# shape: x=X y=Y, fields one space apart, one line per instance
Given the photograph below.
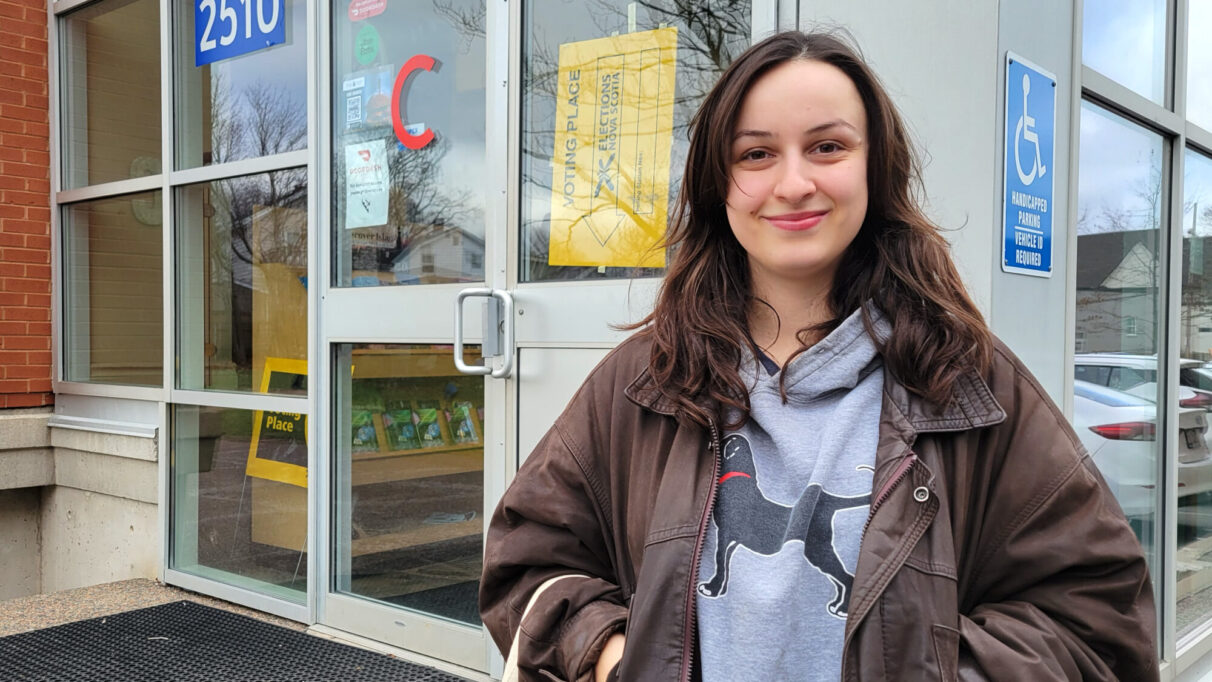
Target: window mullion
x=1172 y=271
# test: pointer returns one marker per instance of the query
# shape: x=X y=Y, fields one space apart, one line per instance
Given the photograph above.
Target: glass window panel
x=1118 y=303
x=242 y=282
x=409 y=214
x=1199 y=63
x=246 y=106
x=113 y=319
x=1194 y=559
x=408 y=514
x=239 y=498
x=1125 y=40
x=111 y=91
x=608 y=223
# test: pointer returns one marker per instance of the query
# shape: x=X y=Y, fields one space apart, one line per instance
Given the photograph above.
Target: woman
x=813 y=461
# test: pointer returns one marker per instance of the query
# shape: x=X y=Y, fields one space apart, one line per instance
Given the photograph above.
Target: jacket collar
x=973 y=406
x=643 y=391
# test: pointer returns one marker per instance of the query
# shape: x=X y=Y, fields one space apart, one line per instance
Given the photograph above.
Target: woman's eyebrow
x=837 y=123
x=751 y=133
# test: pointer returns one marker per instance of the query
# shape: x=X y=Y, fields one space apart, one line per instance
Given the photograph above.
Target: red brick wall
x=25 y=270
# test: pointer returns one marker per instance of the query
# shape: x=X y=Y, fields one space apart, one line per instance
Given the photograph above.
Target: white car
x=1137 y=374
x=1120 y=432
x=1196 y=377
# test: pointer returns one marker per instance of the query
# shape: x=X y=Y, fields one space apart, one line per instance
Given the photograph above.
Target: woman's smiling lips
x=805 y=220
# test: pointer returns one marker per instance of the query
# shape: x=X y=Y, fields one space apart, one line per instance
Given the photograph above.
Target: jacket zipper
x=691 y=592
x=898 y=475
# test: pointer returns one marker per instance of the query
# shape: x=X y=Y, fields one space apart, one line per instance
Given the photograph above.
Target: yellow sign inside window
x=278 y=450
x=610 y=166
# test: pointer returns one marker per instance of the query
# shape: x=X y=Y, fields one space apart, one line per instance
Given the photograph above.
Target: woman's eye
x=828 y=147
x=754 y=155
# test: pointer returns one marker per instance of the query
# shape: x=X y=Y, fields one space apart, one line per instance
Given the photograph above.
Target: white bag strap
x=511 y=663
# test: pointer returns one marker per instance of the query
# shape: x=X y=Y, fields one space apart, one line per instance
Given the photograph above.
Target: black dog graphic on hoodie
x=745 y=517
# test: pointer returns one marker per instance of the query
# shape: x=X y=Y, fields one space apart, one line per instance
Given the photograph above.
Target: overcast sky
x=1120 y=163
x=1199 y=63
x=1125 y=40
x=1117 y=181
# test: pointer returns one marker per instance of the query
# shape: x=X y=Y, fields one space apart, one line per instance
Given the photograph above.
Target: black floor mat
x=188 y=641
x=456 y=601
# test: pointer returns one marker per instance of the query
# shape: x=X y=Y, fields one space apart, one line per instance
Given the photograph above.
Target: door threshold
x=334 y=634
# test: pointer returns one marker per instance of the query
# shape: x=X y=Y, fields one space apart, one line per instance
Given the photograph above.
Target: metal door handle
x=501 y=322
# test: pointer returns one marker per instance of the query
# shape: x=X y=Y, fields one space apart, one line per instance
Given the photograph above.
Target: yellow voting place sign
x=610 y=166
x=278 y=449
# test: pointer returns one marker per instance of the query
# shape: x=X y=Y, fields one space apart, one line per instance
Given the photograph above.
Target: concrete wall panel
x=104 y=443
x=24 y=429
x=25 y=454
x=129 y=479
x=20 y=546
x=1029 y=312
x=89 y=538
x=31 y=468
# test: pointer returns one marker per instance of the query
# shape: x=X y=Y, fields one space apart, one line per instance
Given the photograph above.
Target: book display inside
x=413 y=455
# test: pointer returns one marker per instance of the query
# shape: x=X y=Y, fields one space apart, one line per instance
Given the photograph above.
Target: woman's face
x=798 y=182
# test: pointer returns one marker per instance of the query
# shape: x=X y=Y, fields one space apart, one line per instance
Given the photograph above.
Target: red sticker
x=417 y=62
x=365 y=9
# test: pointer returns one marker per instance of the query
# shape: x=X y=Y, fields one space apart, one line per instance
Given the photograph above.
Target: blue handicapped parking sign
x=1030 y=149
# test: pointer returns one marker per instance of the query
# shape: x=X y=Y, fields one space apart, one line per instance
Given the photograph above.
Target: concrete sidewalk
x=45 y=610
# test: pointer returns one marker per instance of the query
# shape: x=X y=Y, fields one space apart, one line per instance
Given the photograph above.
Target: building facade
x=25 y=266
x=324 y=272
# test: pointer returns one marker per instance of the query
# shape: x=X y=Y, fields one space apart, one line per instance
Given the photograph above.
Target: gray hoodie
x=795 y=487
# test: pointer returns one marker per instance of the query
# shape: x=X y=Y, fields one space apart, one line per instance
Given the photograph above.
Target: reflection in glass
x=113 y=319
x=409 y=480
x=239 y=498
x=1199 y=63
x=1117 y=318
x=409 y=213
x=709 y=36
x=242 y=281
x=242 y=107
x=1125 y=40
x=111 y=91
x=1194 y=559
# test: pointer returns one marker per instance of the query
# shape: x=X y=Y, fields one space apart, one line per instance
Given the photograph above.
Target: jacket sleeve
x=550 y=523
x=1061 y=590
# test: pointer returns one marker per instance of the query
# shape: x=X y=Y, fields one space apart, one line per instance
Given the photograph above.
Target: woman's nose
x=795 y=181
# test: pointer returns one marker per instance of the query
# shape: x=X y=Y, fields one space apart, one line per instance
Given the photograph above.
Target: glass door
x=408 y=434
x=608 y=89
x=532 y=148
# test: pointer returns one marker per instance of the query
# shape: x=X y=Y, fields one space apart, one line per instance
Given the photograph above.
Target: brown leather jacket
x=993 y=550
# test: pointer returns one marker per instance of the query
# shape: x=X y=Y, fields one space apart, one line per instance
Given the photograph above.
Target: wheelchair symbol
x=1025 y=129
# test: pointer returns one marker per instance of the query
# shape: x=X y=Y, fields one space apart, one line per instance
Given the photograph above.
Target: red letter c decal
x=415 y=63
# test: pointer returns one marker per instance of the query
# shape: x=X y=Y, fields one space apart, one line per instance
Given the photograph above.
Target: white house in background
x=443 y=254
x=1116 y=295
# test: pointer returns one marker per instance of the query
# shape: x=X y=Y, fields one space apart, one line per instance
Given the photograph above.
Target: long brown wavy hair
x=898 y=260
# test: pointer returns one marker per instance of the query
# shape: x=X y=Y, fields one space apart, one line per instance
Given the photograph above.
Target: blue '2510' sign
x=229 y=28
